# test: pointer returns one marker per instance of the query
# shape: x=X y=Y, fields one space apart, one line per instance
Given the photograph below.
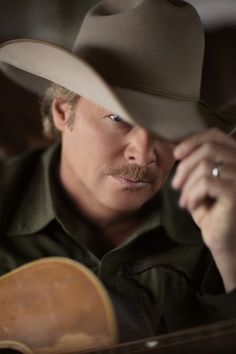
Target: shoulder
x=22 y=166
x=15 y=176
x=13 y=165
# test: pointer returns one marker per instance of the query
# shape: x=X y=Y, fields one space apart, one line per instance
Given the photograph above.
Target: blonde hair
x=56 y=91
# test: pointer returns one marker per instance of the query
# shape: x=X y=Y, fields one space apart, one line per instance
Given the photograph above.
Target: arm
x=211 y=200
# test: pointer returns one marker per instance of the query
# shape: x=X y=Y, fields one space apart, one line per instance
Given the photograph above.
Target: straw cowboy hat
x=141 y=59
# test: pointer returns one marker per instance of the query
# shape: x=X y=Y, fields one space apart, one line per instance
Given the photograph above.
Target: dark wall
x=219 y=71
x=57 y=21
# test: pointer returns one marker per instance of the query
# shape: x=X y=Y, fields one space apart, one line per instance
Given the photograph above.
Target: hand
x=210 y=200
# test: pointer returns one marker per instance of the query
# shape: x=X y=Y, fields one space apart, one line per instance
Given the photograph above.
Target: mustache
x=135 y=173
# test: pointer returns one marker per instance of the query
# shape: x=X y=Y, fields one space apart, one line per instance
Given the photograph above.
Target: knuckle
x=215 y=134
x=214 y=131
x=219 y=135
x=209 y=149
x=204 y=167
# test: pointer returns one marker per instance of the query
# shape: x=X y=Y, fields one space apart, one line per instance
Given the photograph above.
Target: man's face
x=111 y=164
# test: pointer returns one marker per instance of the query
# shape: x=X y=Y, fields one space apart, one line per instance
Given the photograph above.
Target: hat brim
x=43 y=62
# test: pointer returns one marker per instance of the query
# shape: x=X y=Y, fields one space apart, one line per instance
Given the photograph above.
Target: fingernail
x=181 y=202
x=179 y=151
x=176 y=179
x=175 y=182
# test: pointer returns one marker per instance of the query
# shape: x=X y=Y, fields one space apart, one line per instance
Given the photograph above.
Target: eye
x=116 y=118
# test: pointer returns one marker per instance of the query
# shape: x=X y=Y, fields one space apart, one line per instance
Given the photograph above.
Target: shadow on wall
x=219 y=71
x=20 y=123
x=56 y=20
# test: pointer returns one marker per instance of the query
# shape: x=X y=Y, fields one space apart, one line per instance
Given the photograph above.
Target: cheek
x=100 y=149
x=94 y=151
x=167 y=161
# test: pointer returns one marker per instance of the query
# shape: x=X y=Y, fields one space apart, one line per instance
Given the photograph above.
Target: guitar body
x=54 y=305
x=57 y=306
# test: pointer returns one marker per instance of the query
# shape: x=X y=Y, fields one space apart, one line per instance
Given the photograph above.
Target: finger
x=207 y=152
x=211 y=135
x=209 y=188
x=202 y=171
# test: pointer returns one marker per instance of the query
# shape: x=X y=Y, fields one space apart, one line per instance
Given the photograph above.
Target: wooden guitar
x=56 y=305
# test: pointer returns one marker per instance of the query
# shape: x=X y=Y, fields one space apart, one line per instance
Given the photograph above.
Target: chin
x=127 y=205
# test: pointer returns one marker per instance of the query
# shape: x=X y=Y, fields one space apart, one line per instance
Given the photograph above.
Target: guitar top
x=54 y=305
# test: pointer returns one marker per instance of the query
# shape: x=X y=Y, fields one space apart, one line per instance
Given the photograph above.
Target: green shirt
x=163 y=266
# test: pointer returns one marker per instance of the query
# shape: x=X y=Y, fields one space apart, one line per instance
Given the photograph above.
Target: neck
x=118 y=230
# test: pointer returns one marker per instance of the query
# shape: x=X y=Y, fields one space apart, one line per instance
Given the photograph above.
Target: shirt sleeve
x=219 y=304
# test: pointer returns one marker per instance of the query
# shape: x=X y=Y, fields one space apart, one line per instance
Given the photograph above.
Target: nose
x=140 y=147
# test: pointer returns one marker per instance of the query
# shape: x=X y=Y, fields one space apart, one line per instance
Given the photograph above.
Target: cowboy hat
x=141 y=59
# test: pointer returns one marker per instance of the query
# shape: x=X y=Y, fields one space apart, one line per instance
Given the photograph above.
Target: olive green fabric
x=163 y=266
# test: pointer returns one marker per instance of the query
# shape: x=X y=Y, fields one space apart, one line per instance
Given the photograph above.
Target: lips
x=130 y=183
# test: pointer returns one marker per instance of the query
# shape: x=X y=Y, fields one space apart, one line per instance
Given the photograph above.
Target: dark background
x=59 y=20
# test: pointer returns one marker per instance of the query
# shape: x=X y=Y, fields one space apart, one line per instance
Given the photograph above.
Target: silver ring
x=217 y=169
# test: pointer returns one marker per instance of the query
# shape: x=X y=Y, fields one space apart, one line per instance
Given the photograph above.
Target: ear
x=60 y=113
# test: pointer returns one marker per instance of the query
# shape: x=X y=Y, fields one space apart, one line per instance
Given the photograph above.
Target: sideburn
x=73 y=106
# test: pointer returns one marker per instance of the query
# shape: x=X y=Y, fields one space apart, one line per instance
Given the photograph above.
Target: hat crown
x=153 y=46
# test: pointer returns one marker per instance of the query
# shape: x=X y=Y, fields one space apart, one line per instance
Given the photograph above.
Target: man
x=126 y=110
